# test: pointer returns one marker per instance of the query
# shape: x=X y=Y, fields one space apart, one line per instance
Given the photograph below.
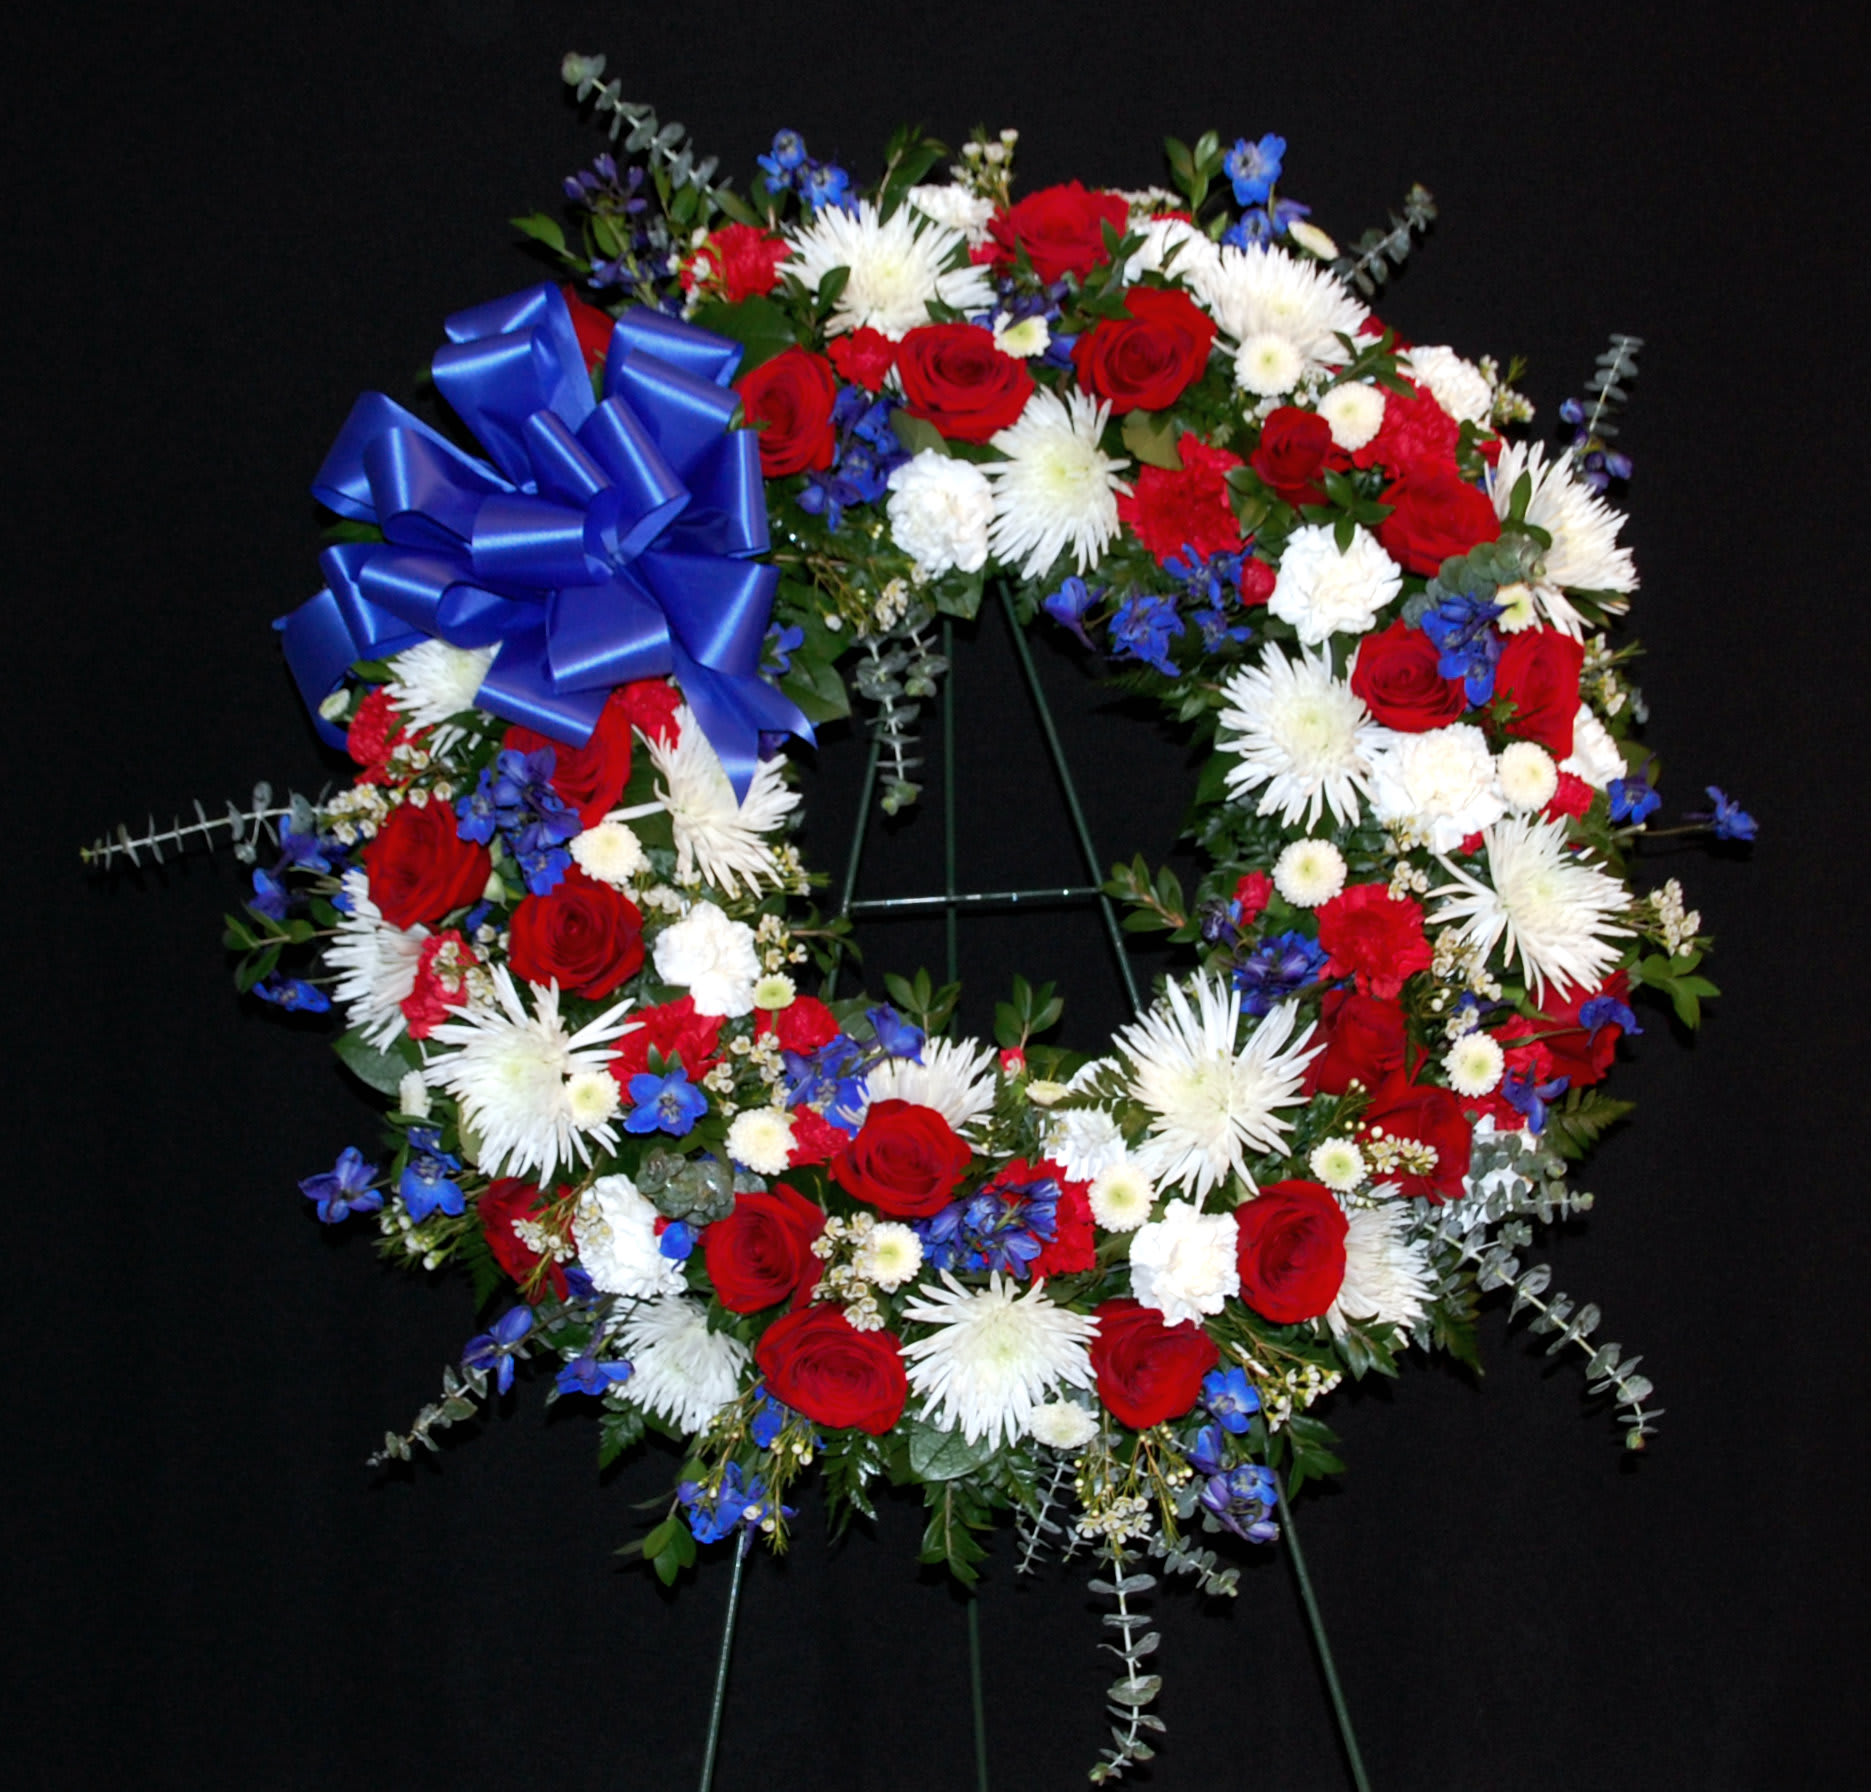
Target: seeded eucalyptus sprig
x=244 y=828
x=1369 y=263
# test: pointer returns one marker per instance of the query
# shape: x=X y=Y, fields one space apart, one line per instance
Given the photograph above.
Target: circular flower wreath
x=559 y=911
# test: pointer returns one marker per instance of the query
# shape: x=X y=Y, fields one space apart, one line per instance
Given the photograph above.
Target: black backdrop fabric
x=228 y=224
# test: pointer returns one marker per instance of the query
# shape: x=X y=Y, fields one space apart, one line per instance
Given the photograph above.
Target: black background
x=224 y=227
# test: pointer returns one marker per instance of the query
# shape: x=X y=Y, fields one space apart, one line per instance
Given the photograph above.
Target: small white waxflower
x=1185 y=1265
x=1268 y=365
x=775 y=991
x=1062 y=1425
x=1354 y=413
x=1323 y=592
x=1339 y=1164
x=713 y=957
x=889 y=1256
x=1527 y=773
x=610 y=852
x=1121 y=1197
x=1309 y=872
x=762 y=1140
x=591 y=1097
x=1474 y=1064
x=940 y=511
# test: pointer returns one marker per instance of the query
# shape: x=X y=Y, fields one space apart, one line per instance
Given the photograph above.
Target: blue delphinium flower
x=825 y=183
x=1529 y=1098
x=777 y=650
x=344 y=1188
x=1607 y=1011
x=770 y=1418
x=293 y=993
x=1243 y=1500
x=1230 y=1397
x=865 y=452
x=309 y=852
x=895 y=1035
x=830 y=1079
x=1632 y=799
x=1003 y=1227
x=425 y=1184
x=1463 y=632
x=515 y=797
x=1143 y=628
x=1729 y=821
x=586 y=1375
x=1067 y=606
x=1277 y=968
x=670 y=1104
x=740 y=1502
x=494 y=1348
x=270 y=897
x=676 y=1241
x=786 y=158
x=1254 y=167
x=1262 y=224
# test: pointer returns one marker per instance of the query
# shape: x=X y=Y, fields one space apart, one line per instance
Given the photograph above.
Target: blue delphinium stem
x=1327 y=1667
x=742 y=1544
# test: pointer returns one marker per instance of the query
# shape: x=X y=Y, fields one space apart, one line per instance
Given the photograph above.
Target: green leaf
x=818 y=690
x=917 y=434
x=618 y=1429
x=761 y=327
x=1151 y=437
x=541 y=229
x=383 y=1071
x=944 y=1455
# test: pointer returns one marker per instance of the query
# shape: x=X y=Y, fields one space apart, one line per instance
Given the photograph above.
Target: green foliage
x=619 y=1428
x=761 y=327
x=1031 y=1011
x=1377 y=252
x=1675 y=977
x=937 y=1455
x=958 y=1509
x=919 y=999
x=380 y=1070
x=1574 y=1124
x=669 y=1549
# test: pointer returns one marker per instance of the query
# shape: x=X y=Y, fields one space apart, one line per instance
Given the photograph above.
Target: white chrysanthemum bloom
x=1084 y=1142
x=1339 y=1164
x=995 y=1355
x=762 y=1140
x=376 y=964
x=1474 y=1064
x=1185 y=1265
x=1022 y=338
x=1439 y=784
x=1519 y=609
x=940 y=510
x=591 y=1097
x=615 y=1232
x=1268 y=365
x=716 y=835
x=898 y=264
x=1309 y=872
x=432 y=681
x=1301 y=737
x=1585 y=555
x=1062 y=1425
x=1354 y=413
x=1057 y=488
x=1322 y=592
x=1211 y=1105
x=954 y=208
x=957 y=1077
x=1175 y=247
x=1387 y=1274
x=1595 y=755
x=1459 y=386
x=511 y=1072
x=713 y=958
x=775 y=991
x=412 y=1095
x=1121 y=1197
x=1264 y=291
x=1313 y=240
x=1529 y=778
x=890 y=1254
x=610 y=852
x=1556 y=912
x=681 y=1371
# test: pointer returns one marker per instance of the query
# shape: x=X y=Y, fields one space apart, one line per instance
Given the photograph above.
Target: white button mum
x=610 y=852
x=762 y=1140
x=1309 y=872
x=1121 y=1197
x=1474 y=1064
x=1528 y=776
x=1354 y=413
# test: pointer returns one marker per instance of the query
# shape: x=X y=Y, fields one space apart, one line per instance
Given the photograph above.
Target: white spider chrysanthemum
x=1062 y=1425
x=1527 y=774
x=954 y=208
x=1474 y=1064
x=1441 y=784
x=995 y=1355
x=898 y=264
x=957 y=1077
x=1211 y=1105
x=1387 y=1275
x=1084 y=1142
x=1585 y=555
x=1309 y=873
x=716 y=835
x=713 y=957
x=1556 y=913
x=1354 y=413
x=1301 y=738
x=1175 y=247
x=762 y=1140
x=1264 y=291
x=615 y=1232
x=1323 y=592
x=1185 y=1265
x=1057 y=488
x=681 y=1371
x=432 y=681
x=1458 y=385
x=377 y=964
x=511 y=1073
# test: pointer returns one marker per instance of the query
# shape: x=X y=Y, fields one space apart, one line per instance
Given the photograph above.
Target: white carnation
x=1185 y=1264
x=940 y=511
x=1595 y=756
x=1322 y=592
x=1084 y=1142
x=713 y=958
x=615 y=1232
x=1459 y=386
x=1439 y=784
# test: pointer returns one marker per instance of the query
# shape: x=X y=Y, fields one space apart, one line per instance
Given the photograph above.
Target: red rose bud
x=816 y=1362
x=583 y=935
x=863 y=357
x=1295 y=451
x=1146 y=360
x=1148 y=1372
x=1253 y=892
x=1013 y=1062
x=1538 y=673
x=1291 y=1251
x=905 y=1161
x=420 y=868
x=1257 y=581
x=1422 y=1114
x=1435 y=514
x=789 y=400
x=954 y=377
x=761 y=1254
x=1061 y=229
x=1364 y=1042
x=1397 y=680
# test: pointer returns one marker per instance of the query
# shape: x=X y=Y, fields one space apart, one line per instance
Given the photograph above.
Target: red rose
x=954 y=377
x=1169 y=511
x=815 y=1139
x=1416 y=431
x=651 y=705
x=789 y=400
x=816 y=1362
x=583 y=935
x=1147 y=1371
x=1538 y=672
x=505 y=1201
x=1435 y=514
x=420 y=867
x=1432 y=1117
x=1583 y=1056
x=1364 y=1039
x=1295 y=451
x=592 y=327
x=906 y=1160
x=1291 y=1251
x=590 y=778
x=1146 y=361
x=675 y=1030
x=1060 y=228
x=1374 y=937
x=1396 y=676
x=738 y=262
x=761 y=1254
x=863 y=357
x=802 y=1026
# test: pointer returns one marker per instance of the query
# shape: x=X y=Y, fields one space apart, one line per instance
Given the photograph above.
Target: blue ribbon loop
x=611 y=538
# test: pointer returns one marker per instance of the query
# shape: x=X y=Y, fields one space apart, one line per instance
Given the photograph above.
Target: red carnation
x=863 y=357
x=789 y=400
x=1147 y=359
x=1074 y=1245
x=1435 y=514
x=420 y=868
x=1398 y=680
x=1148 y=1372
x=651 y=705
x=815 y=1139
x=505 y=1201
x=761 y=1254
x=441 y=982
x=675 y=1030
x=1060 y=228
x=1573 y=797
x=802 y=1026
x=1538 y=673
x=1416 y=431
x=1296 y=451
x=1253 y=892
x=590 y=778
x=954 y=377
x=1291 y=1251
x=905 y=1161
x=582 y=934
x=818 y=1363
x=1430 y=1116
x=738 y=262
x=374 y=730
x=1374 y=937
x=1172 y=510
x=1364 y=1041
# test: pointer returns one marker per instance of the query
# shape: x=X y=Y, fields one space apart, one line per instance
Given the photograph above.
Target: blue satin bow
x=611 y=538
